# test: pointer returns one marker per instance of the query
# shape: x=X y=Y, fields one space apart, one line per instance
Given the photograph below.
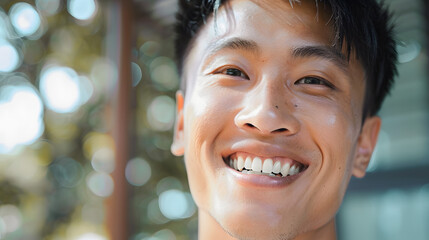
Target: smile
x=274 y=167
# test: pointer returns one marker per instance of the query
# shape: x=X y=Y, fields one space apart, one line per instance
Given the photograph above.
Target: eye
x=314 y=81
x=235 y=72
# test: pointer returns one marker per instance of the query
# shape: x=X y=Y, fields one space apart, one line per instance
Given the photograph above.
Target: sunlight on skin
x=249 y=92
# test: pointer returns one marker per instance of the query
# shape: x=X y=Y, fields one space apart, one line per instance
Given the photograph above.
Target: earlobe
x=178 y=147
x=366 y=145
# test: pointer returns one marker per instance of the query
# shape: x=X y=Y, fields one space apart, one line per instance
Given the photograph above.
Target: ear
x=178 y=146
x=365 y=146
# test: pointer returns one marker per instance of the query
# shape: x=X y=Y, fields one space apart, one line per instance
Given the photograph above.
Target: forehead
x=304 y=17
x=262 y=20
x=301 y=17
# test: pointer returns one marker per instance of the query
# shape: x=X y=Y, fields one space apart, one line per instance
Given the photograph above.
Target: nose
x=267 y=110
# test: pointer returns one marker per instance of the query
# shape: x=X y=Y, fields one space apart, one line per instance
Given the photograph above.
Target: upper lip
x=263 y=149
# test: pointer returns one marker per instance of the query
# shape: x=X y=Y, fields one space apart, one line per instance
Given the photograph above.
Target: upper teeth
x=267 y=167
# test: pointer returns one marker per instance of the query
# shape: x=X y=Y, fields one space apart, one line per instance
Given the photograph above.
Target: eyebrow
x=325 y=52
x=234 y=44
x=329 y=53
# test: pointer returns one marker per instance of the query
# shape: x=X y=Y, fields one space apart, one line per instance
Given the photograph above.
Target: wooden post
x=119 y=50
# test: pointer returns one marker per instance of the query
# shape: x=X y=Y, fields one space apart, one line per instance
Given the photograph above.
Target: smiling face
x=271 y=125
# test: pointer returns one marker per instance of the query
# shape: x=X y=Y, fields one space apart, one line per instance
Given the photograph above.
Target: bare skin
x=264 y=82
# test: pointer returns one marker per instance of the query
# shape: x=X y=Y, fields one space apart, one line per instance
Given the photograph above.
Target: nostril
x=280 y=130
x=250 y=125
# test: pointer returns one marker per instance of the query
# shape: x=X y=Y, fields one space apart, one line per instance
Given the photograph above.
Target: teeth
x=297 y=170
x=248 y=163
x=277 y=167
x=240 y=163
x=268 y=166
x=293 y=170
x=257 y=164
x=285 y=169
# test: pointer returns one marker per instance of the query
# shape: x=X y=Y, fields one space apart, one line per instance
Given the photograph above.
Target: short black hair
x=363 y=25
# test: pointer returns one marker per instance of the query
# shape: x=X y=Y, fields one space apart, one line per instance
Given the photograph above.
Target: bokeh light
x=164 y=73
x=24 y=18
x=137 y=74
x=161 y=113
x=103 y=160
x=23 y=170
x=21 y=113
x=9 y=56
x=150 y=49
x=67 y=172
x=86 y=89
x=11 y=219
x=154 y=213
x=82 y=9
x=168 y=183
x=60 y=88
x=54 y=163
x=48 y=7
x=161 y=235
x=90 y=236
x=138 y=171
x=95 y=141
x=408 y=51
x=175 y=204
x=101 y=184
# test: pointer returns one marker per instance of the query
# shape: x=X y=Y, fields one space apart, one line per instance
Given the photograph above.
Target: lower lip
x=255 y=180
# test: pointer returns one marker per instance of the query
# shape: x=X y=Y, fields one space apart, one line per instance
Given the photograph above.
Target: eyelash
x=320 y=80
x=231 y=71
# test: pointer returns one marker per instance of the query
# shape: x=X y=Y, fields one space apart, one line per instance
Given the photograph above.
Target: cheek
x=334 y=132
x=336 y=135
x=339 y=135
x=205 y=117
x=332 y=126
x=206 y=113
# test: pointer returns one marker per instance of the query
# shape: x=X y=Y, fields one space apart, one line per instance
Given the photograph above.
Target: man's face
x=265 y=84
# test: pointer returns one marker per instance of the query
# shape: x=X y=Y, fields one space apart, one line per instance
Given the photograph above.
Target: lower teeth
x=261 y=173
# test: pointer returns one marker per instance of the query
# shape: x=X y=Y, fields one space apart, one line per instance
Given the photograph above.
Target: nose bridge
x=267 y=110
x=265 y=99
x=270 y=95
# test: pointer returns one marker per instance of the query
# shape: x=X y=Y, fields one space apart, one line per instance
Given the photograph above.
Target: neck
x=210 y=229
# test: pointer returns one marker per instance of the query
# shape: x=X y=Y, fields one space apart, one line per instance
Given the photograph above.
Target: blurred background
x=86 y=115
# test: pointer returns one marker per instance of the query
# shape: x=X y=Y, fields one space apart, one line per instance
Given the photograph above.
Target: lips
x=279 y=167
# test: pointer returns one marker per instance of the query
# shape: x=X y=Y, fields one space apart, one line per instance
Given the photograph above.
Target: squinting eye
x=314 y=81
x=234 y=72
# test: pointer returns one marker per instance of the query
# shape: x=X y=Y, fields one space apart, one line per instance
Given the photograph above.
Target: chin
x=245 y=224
